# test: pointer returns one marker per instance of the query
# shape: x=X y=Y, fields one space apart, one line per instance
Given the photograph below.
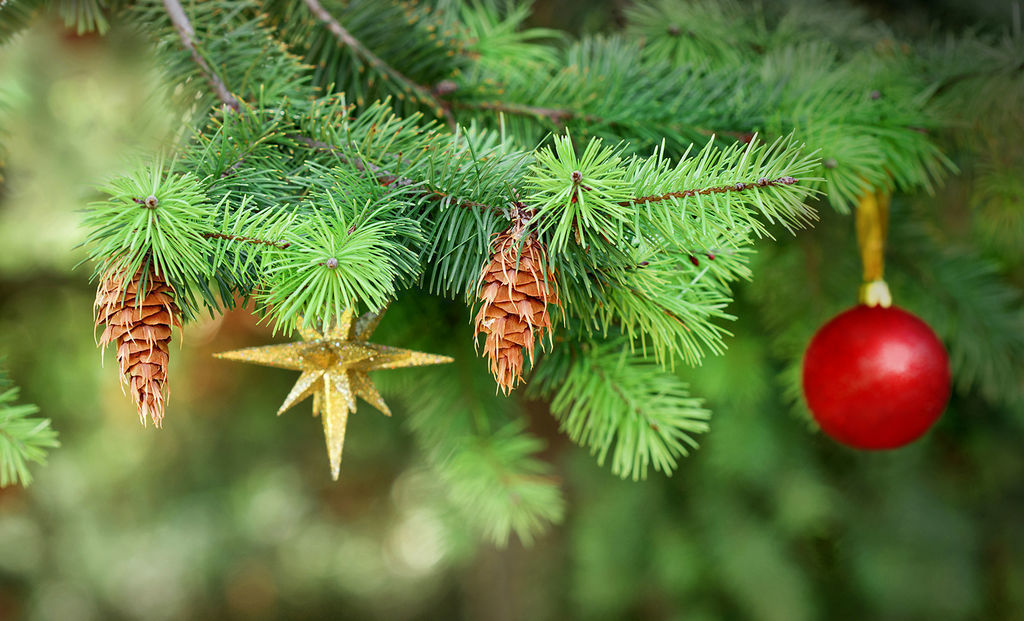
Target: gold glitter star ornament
x=335 y=369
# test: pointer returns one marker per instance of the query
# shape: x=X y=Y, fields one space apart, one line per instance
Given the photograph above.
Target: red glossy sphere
x=876 y=378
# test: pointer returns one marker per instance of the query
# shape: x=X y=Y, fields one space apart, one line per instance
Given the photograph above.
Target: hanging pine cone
x=516 y=293
x=142 y=331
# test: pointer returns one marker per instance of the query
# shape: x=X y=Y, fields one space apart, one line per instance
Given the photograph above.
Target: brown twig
x=738 y=187
x=249 y=240
x=560 y=116
x=345 y=37
x=187 y=36
x=386 y=178
x=557 y=116
x=230 y=170
x=151 y=203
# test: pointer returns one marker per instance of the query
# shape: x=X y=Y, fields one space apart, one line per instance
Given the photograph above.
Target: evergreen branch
x=230 y=170
x=659 y=305
x=386 y=178
x=738 y=187
x=606 y=85
x=248 y=240
x=970 y=305
x=498 y=478
x=557 y=116
x=491 y=469
x=383 y=177
x=561 y=116
x=165 y=228
x=187 y=35
x=668 y=309
x=23 y=438
x=152 y=202
x=84 y=15
x=239 y=238
x=499 y=41
x=620 y=405
x=591 y=198
x=999 y=71
x=352 y=251
x=357 y=47
x=16 y=15
x=603 y=279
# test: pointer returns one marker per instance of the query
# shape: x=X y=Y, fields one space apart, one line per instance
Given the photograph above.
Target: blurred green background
x=230 y=513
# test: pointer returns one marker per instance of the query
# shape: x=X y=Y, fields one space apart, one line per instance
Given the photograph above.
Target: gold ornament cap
x=875 y=293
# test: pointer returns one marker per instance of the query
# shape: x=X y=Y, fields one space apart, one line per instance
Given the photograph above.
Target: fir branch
x=499 y=478
x=969 y=303
x=622 y=406
x=1000 y=71
x=151 y=203
x=168 y=228
x=737 y=187
x=592 y=198
x=343 y=35
x=84 y=15
x=16 y=15
x=560 y=117
x=668 y=309
x=491 y=469
x=230 y=170
x=386 y=178
x=606 y=86
x=281 y=245
x=557 y=116
x=499 y=40
x=23 y=438
x=187 y=35
x=383 y=177
x=352 y=251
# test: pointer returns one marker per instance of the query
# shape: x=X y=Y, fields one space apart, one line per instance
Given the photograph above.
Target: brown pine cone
x=515 y=300
x=142 y=330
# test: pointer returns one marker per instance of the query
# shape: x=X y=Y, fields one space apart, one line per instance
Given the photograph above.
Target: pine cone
x=142 y=330
x=515 y=300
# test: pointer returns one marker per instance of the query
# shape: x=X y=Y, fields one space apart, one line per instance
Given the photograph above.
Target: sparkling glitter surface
x=335 y=366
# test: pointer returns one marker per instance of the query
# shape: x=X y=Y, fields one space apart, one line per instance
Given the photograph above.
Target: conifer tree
x=592 y=203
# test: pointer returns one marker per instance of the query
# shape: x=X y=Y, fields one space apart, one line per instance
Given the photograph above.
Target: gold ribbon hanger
x=872 y=227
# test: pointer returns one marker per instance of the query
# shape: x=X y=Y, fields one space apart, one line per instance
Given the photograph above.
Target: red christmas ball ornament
x=876 y=378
